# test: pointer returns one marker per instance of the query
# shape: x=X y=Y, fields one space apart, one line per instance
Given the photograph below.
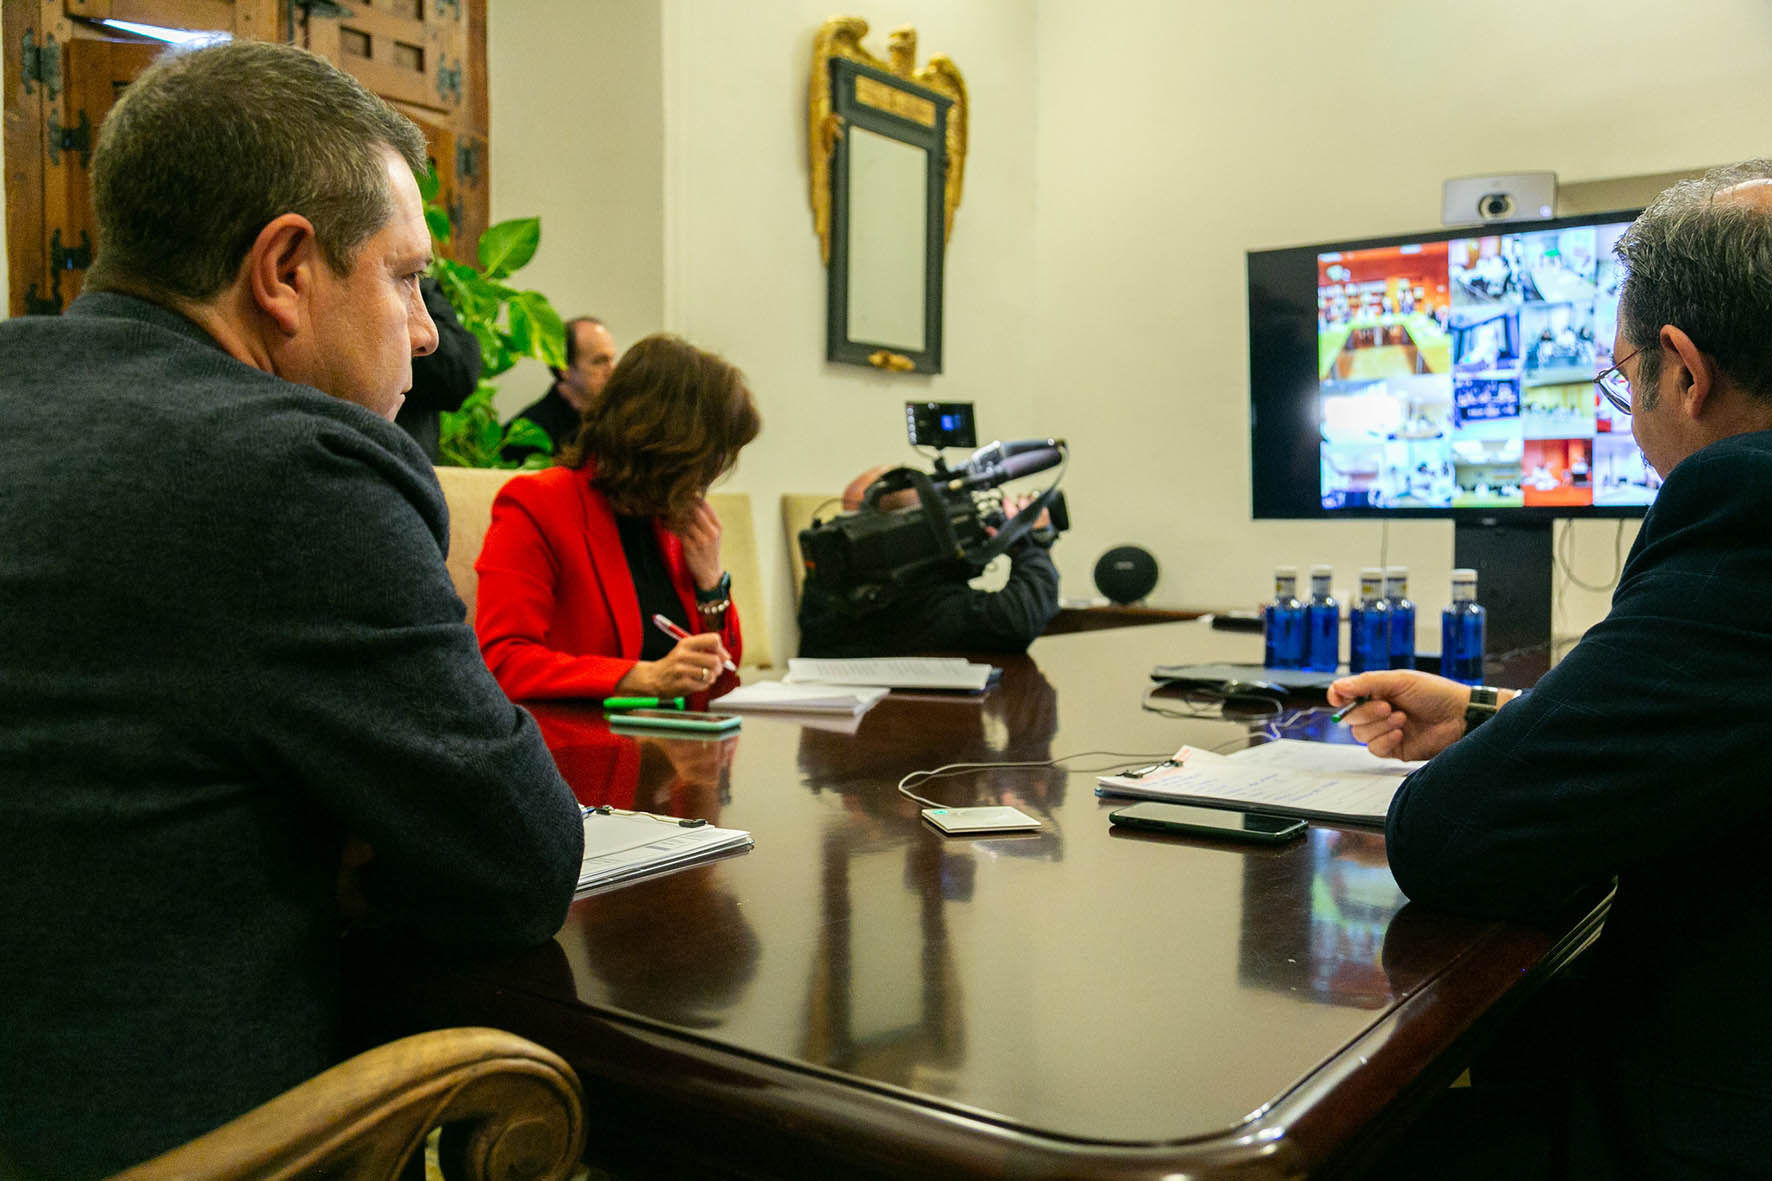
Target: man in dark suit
x=238 y=703
x=1641 y=756
x=590 y=359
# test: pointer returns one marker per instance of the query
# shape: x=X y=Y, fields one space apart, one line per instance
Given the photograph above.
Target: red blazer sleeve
x=672 y=548
x=556 y=611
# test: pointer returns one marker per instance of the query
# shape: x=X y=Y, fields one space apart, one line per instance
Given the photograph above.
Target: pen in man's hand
x=1349 y=708
x=676 y=633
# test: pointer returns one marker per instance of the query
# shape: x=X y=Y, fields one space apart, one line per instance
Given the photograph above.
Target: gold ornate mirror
x=888 y=152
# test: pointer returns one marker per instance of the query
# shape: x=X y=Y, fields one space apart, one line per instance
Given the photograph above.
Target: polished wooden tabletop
x=861 y=993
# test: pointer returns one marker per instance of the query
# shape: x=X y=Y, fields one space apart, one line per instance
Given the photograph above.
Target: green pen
x=620 y=703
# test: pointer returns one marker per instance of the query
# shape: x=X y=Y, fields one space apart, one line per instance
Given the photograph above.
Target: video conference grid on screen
x=1459 y=374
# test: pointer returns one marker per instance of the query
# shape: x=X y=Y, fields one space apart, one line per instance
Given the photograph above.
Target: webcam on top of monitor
x=1520 y=196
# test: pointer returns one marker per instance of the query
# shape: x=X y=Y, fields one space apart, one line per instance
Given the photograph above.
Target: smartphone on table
x=1263 y=827
x=674 y=719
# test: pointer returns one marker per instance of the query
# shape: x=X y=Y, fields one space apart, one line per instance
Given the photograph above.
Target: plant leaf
x=508 y=245
x=438 y=221
x=494 y=357
x=547 y=332
x=428 y=183
x=521 y=337
x=525 y=433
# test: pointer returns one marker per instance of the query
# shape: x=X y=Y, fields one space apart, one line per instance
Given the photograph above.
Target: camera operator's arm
x=956 y=617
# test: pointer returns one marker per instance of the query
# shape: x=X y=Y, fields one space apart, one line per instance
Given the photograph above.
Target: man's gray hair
x=208 y=146
x=1705 y=267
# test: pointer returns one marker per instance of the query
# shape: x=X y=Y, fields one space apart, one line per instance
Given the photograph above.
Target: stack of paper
x=811 y=697
x=1323 y=780
x=623 y=847
x=950 y=673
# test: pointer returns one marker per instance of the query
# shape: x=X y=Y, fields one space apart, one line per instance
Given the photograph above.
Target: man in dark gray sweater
x=238 y=704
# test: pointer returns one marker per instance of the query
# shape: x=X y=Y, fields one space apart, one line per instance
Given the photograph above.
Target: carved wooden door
x=63 y=69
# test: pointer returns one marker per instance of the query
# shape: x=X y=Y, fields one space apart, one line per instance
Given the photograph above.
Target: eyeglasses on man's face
x=1615 y=385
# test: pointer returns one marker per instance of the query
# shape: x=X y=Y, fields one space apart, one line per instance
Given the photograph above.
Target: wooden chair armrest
x=521 y=1105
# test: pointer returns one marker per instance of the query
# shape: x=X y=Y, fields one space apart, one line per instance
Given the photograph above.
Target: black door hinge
x=467 y=162
x=69 y=258
x=70 y=139
x=35 y=306
x=40 y=63
x=449 y=81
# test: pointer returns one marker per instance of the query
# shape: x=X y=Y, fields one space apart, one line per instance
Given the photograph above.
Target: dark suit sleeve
x=1008 y=619
x=940 y=616
x=444 y=379
x=366 y=691
x=1646 y=737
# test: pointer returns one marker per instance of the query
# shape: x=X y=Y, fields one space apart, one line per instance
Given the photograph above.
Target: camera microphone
x=998 y=463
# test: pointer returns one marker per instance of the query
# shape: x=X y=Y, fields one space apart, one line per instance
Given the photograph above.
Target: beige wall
x=715 y=232
x=1172 y=137
x=577 y=140
x=744 y=275
x=1125 y=156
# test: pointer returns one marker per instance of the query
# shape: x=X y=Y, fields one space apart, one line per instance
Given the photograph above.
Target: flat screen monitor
x=1442 y=374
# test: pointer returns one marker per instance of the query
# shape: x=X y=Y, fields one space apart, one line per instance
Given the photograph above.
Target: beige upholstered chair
x=738 y=548
x=521 y=1106
x=797 y=511
x=469 y=492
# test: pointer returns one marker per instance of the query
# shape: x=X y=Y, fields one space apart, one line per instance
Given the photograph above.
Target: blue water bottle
x=1283 y=622
x=1368 y=631
x=1322 y=623
x=1402 y=617
x=1461 y=631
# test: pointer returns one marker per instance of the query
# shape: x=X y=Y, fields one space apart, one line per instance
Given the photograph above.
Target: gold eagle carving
x=841 y=37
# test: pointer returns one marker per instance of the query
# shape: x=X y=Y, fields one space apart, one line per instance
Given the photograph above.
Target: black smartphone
x=1211 y=822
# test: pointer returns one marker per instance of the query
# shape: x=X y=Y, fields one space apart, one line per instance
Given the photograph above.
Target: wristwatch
x=716 y=598
x=1483 y=705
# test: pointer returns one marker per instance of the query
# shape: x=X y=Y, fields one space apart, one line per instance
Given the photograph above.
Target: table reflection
x=676 y=775
x=682 y=950
x=1332 y=950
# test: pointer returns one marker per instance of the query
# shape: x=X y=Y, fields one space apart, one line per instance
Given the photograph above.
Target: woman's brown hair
x=670 y=422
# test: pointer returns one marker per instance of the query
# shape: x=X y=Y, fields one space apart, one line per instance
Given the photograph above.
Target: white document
x=810 y=697
x=1323 y=758
x=1327 y=781
x=894 y=672
x=622 y=847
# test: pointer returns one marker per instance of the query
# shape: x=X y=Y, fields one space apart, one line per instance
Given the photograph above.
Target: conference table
x=859 y=995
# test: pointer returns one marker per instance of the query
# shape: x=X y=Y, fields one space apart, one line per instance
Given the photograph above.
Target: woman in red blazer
x=580 y=557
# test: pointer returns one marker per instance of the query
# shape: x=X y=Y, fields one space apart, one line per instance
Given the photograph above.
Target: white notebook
x=623 y=847
x=894 y=672
x=1320 y=780
x=812 y=697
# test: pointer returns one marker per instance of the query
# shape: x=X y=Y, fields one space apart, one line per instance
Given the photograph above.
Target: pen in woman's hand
x=1349 y=708
x=676 y=633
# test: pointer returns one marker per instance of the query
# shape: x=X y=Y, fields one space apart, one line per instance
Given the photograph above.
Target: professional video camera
x=866 y=555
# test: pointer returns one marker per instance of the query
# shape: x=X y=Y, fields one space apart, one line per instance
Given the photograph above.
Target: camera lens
x=1495 y=205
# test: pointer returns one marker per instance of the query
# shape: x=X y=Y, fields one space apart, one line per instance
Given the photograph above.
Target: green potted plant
x=509 y=323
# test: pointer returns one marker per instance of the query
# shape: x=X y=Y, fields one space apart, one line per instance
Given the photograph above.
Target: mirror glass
x=888 y=239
